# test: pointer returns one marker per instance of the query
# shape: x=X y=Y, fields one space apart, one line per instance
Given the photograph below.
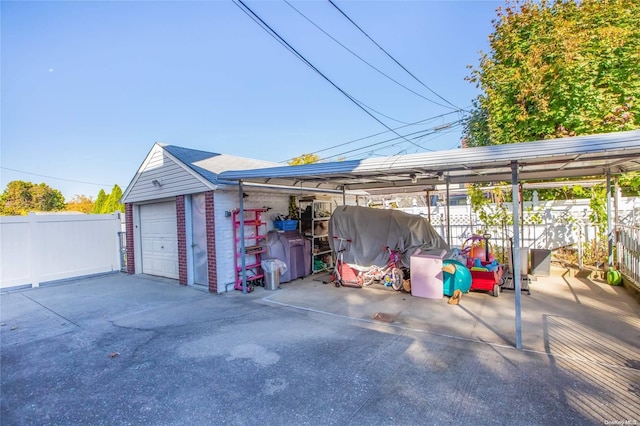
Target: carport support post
x=242 y=252
x=448 y=218
x=609 y=227
x=515 y=207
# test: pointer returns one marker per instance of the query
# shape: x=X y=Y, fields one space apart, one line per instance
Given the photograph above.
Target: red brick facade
x=131 y=260
x=182 y=240
x=211 y=242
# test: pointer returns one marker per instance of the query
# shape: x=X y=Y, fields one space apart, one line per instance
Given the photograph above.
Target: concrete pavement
x=120 y=349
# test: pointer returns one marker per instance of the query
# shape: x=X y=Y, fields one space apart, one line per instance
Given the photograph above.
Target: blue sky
x=88 y=87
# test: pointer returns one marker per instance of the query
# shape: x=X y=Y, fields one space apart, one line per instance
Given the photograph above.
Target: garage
x=159 y=239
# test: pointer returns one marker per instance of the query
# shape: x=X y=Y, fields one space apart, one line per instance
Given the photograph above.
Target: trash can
x=540 y=262
x=271 y=268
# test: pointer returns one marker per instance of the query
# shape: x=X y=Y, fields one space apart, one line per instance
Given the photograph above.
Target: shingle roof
x=210 y=164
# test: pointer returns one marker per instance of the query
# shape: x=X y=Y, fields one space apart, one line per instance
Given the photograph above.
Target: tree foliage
x=20 y=198
x=112 y=204
x=558 y=68
x=80 y=203
x=97 y=206
x=304 y=159
x=109 y=203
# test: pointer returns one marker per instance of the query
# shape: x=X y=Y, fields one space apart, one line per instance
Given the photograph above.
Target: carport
x=570 y=158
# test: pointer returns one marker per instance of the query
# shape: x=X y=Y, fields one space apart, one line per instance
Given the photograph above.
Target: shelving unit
x=314 y=223
x=255 y=231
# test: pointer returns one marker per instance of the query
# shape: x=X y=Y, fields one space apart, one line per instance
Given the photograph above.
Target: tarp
x=371 y=230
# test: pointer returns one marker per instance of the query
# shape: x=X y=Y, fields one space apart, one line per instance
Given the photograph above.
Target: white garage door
x=159 y=236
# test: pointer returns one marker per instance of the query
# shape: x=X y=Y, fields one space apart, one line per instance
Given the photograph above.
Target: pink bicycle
x=390 y=275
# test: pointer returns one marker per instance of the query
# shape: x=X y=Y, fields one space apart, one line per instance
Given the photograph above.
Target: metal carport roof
x=571 y=157
x=581 y=156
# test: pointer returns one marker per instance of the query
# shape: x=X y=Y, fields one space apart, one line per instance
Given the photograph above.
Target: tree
x=112 y=202
x=80 y=203
x=304 y=159
x=20 y=198
x=97 y=206
x=558 y=68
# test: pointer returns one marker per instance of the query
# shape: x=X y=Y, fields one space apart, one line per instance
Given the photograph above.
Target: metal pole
x=609 y=227
x=243 y=261
x=344 y=195
x=428 y=206
x=448 y=218
x=516 y=249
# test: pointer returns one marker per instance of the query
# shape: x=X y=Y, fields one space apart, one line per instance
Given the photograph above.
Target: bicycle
x=390 y=275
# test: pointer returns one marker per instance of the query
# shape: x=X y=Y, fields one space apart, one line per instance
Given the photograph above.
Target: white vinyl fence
x=40 y=248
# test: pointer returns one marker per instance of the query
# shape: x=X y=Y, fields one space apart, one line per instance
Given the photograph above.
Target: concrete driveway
x=120 y=349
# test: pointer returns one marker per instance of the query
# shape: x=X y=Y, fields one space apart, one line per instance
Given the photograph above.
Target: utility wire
x=276 y=36
x=343 y=144
x=389 y=55
x=53 y=177
x=271 y=31
x=394 y=141
x=364 y=60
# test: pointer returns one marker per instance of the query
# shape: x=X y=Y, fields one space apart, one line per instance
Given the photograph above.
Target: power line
x=57 y=178
x=394 y=141
x=287 y=46
x=364 y=60
x=343 y=144
x=273 y=33
x=389 y=55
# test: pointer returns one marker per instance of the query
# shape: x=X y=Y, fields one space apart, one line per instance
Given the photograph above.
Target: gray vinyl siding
x=176 y=180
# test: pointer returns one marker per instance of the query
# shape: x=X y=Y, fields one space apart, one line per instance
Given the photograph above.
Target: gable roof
x=210 y=164
x=185 y=170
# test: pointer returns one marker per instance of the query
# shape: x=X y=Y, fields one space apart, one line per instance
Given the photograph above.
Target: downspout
x=515 y=206
x=243 y=261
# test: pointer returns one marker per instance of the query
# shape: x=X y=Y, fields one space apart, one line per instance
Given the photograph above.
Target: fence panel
x=39 y=248
x=628 y=249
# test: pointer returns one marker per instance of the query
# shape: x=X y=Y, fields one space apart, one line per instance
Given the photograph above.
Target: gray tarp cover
x=370 y=230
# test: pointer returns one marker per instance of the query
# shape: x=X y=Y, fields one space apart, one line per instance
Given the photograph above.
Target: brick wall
x=131 y=260
x=211 y=242
x=182 y=240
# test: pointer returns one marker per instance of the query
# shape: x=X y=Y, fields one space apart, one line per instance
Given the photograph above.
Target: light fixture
x=414 y=178
x=157 y=183
x=440 y=176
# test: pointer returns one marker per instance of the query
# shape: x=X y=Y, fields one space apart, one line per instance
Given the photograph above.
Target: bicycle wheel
x=396 y=278
x=367 y=279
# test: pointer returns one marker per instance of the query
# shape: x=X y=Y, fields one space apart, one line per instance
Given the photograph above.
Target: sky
x=88 y=87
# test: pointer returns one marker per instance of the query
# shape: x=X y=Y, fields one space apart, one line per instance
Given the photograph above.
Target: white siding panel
x=175 y=179
x=228 y=200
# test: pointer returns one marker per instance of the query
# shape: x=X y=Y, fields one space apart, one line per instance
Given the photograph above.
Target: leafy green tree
x=112 y=202
x=97 y=206
x=20 y=198
x=558 y=68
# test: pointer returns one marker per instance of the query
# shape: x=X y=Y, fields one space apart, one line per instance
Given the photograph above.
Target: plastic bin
x=286 y=225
